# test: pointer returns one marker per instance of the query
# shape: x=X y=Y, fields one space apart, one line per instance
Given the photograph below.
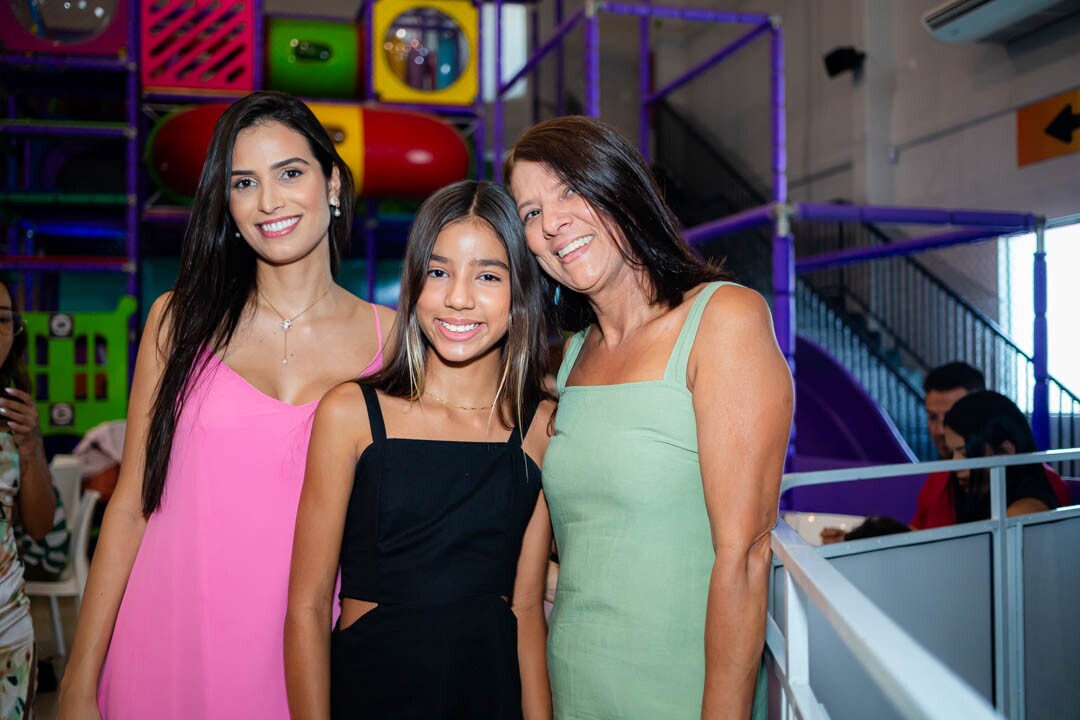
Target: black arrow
x=1062 y=127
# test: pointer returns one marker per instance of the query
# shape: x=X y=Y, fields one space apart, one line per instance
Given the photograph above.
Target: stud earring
x=237 y=233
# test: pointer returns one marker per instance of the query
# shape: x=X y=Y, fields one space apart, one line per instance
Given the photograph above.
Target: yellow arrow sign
x=1048 y=129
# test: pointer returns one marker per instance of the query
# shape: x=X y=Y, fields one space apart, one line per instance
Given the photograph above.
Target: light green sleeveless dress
x=627 y=633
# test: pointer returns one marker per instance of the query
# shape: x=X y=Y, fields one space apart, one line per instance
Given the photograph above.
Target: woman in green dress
x=664 y=471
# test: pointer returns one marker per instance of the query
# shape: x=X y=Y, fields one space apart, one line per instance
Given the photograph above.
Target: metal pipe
x=554 y=41
x=370 y=222
x=683 y=13
x=134 y=192
x=65 y=129
x=67 y=264
x=721 y=55
x=560 y=64
x=1040 y=409
x=534 y=86
x=258 y=52
x=644 y=86
x=898 y=249
x=69 y=62
x=744 y=220
x=497 y=101
x=592 y=59
x=916 y=216
x=783 y=245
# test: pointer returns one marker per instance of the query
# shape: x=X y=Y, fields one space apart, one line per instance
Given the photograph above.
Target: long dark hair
x=217 y=269
x=525 y=350
x=987 y=421
x=609 y=173
x=13 y=369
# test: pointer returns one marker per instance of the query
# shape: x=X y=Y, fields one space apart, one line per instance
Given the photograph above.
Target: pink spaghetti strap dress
x=199 y=631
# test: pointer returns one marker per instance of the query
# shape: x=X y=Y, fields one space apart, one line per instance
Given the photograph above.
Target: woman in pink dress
x=184 y=607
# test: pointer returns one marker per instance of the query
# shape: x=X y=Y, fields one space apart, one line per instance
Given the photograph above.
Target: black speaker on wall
x=842 y=59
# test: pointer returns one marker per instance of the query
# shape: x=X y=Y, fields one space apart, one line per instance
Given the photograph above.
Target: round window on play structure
x=64 y=22
x=426 y=49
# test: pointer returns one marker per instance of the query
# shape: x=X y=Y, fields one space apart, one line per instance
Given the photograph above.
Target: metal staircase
x=888 y=321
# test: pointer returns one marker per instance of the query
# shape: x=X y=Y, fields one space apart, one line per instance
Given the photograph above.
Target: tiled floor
x=45 y=705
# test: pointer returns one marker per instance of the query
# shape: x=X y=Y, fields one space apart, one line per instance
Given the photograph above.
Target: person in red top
x=944 y=386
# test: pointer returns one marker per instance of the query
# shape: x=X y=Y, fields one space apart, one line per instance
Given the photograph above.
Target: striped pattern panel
x=198 y=44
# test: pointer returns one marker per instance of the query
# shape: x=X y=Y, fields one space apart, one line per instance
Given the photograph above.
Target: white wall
x=924 y=123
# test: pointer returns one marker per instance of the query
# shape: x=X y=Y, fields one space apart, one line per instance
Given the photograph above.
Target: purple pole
x=783 y=243
x=681 y=13
x=69 y=62
x=592 y=62
x=644 y=86
x=68 y=264
x=64 y=128
x=724 y=53
x=843 y=258
x=370 y=221
x=555 y=41
x=369 y=51
x=560 y=65
x=260 y=42
x=731 y=224
x=916 y=215
x=497 y=106
x=480 y=142
x=534 y=86
x=132 y=160
x=1040 y=410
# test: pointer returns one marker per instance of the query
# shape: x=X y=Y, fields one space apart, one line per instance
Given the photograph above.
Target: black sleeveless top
x=433 y=521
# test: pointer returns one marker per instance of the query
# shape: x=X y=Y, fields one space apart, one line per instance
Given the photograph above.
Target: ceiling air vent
x=1000 y=21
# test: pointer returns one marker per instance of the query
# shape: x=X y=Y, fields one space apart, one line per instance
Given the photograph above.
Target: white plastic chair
x=72 y=580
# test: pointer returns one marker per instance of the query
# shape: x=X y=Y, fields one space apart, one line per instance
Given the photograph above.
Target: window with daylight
x=1017 y=313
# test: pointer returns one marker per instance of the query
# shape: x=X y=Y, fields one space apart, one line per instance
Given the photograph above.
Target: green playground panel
x=79 y=366
x=313 y=58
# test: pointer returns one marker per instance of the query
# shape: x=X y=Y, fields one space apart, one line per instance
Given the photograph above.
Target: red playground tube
x=391 y=153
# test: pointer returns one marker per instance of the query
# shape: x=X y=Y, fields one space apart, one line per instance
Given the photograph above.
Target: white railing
x=917 y=683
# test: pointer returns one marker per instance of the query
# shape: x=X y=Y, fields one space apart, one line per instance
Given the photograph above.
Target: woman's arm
x=337 y=438
x=528 y=606
x=743 y=401
x=121 y=534
x=530 y=583
x=1026 y=506
x=37 y=504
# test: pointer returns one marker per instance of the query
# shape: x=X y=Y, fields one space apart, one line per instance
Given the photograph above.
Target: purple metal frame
x=980 y=225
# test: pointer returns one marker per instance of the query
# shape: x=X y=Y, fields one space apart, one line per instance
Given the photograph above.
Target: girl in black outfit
x=424 y=480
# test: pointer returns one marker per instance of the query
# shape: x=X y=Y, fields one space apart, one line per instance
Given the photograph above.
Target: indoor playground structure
x=414 y=93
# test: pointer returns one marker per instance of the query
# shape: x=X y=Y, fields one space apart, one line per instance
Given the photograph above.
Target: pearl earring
x=337 y=209
x=237 y=233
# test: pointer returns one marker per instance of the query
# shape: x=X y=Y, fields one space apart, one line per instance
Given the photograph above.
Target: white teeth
x=279 y=225
x=579 y=243
x=459 y=328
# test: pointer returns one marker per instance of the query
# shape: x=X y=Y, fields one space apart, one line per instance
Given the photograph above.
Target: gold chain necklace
x=447 y=403
x=287 y=323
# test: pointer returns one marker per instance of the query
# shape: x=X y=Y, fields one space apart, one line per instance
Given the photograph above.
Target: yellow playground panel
x=425 y=51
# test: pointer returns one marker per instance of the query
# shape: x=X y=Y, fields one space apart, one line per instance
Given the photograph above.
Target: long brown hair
x=525 y=350
x=217 y=268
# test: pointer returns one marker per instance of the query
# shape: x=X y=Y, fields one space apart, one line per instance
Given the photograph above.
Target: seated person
x=944 y=386
x=988 y=423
